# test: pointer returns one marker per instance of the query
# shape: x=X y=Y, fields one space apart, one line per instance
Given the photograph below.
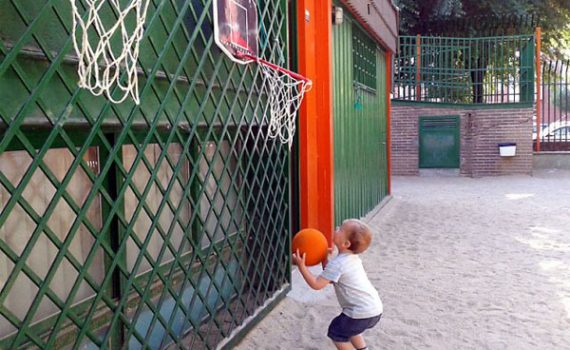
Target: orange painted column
x=538 y=88
x=314 y=33
x=389 y=119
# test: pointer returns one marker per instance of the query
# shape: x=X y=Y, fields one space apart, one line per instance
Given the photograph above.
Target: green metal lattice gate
x=164 y=224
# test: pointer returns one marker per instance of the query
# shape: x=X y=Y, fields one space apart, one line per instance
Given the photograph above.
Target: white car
x=556 y=131
x=542 y=127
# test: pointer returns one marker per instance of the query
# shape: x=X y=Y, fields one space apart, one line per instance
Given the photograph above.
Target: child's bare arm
x=314 y=282
x=317 y=283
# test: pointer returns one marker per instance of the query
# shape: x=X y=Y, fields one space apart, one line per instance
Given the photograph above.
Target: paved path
x=460 y=263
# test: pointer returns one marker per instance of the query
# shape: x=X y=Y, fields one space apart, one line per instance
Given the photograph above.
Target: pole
x=316 y=160
x=389 y=121
x=418 y=68
x=538 y=90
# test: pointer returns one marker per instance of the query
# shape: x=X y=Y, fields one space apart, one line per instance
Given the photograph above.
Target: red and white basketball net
x=100 y=66
x=286 y=91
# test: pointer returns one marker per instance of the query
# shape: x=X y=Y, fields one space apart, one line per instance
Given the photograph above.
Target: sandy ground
x=460 y=263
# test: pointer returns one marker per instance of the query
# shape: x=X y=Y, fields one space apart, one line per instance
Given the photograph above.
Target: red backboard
x=235 y=28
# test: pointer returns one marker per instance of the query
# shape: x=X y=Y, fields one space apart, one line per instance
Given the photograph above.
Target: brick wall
x=481 y=132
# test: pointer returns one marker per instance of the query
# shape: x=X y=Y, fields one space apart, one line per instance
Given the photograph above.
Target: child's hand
x=297 y=259
x=332 y=250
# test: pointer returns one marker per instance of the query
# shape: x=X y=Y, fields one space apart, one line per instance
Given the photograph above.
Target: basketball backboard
x=235 y=28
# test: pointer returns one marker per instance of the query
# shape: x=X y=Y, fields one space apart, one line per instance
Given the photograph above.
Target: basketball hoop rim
x=276 y=67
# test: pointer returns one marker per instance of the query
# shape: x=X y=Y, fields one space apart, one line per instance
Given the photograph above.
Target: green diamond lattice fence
x=164 y=224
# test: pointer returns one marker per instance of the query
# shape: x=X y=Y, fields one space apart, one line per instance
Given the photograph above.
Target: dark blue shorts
x=342 y=327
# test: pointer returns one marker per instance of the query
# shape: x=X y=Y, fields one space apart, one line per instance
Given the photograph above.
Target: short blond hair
x=358 y=234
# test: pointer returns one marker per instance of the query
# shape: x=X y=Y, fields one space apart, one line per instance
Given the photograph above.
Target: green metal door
x=439 y=142
x=359 y=81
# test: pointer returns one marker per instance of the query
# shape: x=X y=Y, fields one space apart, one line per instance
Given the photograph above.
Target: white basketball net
x=285 y=96
x=99 y=66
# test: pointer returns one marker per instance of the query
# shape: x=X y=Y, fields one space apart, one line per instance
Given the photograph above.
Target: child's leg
x=343 y=346
x=358 y=342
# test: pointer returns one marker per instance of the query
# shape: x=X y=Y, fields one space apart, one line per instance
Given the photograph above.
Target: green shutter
x=439 y=142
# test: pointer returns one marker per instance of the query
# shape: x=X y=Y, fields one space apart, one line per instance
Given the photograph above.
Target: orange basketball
x=313 y=243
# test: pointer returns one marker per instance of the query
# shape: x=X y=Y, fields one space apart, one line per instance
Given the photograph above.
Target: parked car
x=534 y=128
x=555 y=132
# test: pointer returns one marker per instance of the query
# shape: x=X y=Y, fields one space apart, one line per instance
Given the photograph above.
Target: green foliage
x=491 y=17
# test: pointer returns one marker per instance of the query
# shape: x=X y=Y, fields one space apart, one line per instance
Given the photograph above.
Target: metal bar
x=418 y=68
x=538 y=88
x=275 y=67
x=389 y=61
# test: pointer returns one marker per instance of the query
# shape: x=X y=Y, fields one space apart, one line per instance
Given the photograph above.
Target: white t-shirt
x=356 y=295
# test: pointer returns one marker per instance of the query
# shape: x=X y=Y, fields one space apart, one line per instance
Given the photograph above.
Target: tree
x=480 y=18
x=491 y=17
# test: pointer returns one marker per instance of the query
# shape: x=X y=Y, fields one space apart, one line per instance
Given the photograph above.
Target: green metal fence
x=164 y=224
x=555 y=108
x=360 y=112
x=489 y=70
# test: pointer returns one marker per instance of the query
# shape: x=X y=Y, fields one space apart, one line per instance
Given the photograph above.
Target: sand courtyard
x=460 y=263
